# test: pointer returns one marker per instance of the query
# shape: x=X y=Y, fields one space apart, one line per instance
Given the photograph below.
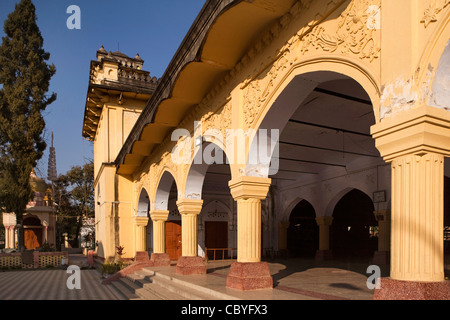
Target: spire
x=52 y=175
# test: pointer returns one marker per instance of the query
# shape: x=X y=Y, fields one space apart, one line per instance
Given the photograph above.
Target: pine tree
x=24 y=83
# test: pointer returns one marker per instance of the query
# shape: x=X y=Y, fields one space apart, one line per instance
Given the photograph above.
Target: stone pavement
x=294 y=279
x=51 y=285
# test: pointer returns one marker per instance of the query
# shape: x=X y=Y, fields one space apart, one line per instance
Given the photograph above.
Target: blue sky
x=152 y=28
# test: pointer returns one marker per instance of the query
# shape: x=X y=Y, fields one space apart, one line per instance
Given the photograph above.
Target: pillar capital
x=243 y=188
x=159 y=215
x=416 y=131
x=324 y=221
x=190 y=206
x=141 y=221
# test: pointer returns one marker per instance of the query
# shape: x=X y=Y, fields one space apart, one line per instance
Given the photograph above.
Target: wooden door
x=173 y=239
x=216 y=237
x=33 y=238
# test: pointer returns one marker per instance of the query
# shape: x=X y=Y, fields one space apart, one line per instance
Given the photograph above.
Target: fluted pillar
x=417 y=251
x=249 y=273
x=415 y=142
x=324 y=252
x=190 y=262
x=159 y=256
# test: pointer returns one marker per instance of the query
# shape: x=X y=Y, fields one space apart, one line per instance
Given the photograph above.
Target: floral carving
x=255 y=96
x=355 y=33
x=431 y=13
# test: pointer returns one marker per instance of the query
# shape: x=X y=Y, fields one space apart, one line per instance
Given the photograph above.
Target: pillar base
x=160 y=260
x=141 y=256
x=324 y=255
x=249 y=276
x=190 y=265
x=381 y=257
x=411 y=290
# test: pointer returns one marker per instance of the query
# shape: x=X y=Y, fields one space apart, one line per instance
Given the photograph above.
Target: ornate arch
x=166 y=178
x=142 y=202
x=294 y=87
x=435 y=58
x=195 y=172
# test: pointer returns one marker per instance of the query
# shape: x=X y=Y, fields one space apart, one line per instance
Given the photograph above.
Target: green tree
x=24 y=83
x=74 y=196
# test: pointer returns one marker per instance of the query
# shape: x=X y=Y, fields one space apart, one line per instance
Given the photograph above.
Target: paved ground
x=51 y=285
x=293 y=280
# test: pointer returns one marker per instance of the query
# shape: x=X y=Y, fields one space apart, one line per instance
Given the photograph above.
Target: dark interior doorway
x=303 y=231
x=354 y=228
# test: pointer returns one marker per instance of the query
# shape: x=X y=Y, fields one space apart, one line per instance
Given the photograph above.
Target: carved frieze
x=355 y=33
x=433 y=10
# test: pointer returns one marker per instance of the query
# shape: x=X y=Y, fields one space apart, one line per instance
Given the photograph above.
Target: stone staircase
x=147 y=284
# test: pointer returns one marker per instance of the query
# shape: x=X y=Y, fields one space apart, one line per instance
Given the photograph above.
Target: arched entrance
x=143 y=210
x=165 y=200
x=303 y=231
x=354 y=227
x=207 y=180
x=325 y=142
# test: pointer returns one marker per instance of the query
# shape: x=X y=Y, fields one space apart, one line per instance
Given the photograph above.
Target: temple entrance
x=216 y=237
x=303 y=232
x=354 y=228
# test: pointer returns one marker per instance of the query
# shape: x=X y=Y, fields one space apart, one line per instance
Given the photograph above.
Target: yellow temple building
x=283 y=128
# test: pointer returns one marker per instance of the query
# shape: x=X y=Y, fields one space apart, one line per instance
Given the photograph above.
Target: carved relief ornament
x=355 y=34
x=431 y=13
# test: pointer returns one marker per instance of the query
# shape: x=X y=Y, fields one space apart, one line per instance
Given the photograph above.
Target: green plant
x=111 y=267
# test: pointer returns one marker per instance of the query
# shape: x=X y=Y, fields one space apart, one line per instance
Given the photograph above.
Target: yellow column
x=159 y=218
x=189 y=210
x=415 y=142
x=417 y=218
x=249 y=273
x=190 y=263
x=248 y=192
x=324 y=232
x=141 y=233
